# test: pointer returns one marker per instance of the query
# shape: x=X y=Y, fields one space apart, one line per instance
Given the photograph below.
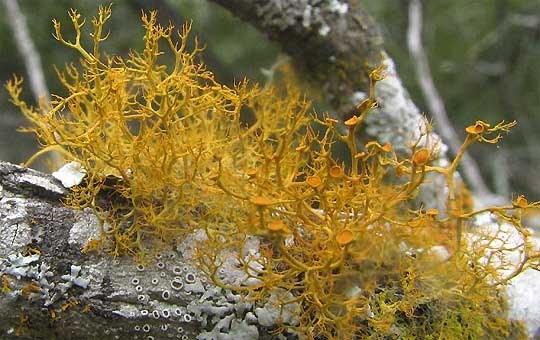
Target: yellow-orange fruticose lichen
x=277 y=225
x=432 y=212
x=352 y=121
x=261 y=201
x=359 y=155
x=386 y=147
x=331 y=120
x=521 y=202
x=336 y=171
x=365 y=105
x=302 y=148
x=167 y=154
x=251 y=172
x=6 y=288
x=421 y=157
x=345 y=237
x=478 y=128
x=314 y=181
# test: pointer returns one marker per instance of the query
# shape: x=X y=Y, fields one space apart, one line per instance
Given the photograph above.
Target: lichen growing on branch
x=341 y=250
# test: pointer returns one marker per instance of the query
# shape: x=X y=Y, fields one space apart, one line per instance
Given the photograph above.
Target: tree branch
x=25 y=45
x=50 y=290
x=331 y=43
x=435 y=101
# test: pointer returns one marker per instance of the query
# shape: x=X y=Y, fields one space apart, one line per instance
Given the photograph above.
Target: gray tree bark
x=59 y=292
x=332 y=43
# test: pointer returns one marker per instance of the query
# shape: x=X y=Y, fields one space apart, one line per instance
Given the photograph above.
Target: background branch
x=469 y=168
x=27 y=50
x=32 y=60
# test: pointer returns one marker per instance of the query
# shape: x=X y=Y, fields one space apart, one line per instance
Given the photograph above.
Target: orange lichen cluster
x=6 y=287
x=167 y=153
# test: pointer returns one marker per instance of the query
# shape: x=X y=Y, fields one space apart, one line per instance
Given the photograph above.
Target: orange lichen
x=421 y=157
x=386 y=147
x=277 y=225
x=31 y=251
x=336 y=171
x=52 y=314
x=331 y=120
x=91 y=246
x=521 y=202
x=359 y=155
x=69 y=304
x=6 y=287
x=23 y=324
x=32 y=287
x=352 y=121
x=365 y=105
x=477 y=128
x=314 y=181
x=261 y=201
x=251 y=172
x=166 y=154
x=378 y=74
x=345 y=237
x=432 y=212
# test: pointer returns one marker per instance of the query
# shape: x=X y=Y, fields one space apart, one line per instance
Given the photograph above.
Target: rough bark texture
x=331 y=43
x=61 y=293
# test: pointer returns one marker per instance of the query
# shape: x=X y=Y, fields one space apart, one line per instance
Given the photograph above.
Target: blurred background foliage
x=484 y=56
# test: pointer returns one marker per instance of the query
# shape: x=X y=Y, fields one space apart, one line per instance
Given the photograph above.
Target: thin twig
x=25 y=45
x=31 y=58
x=434 y=101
